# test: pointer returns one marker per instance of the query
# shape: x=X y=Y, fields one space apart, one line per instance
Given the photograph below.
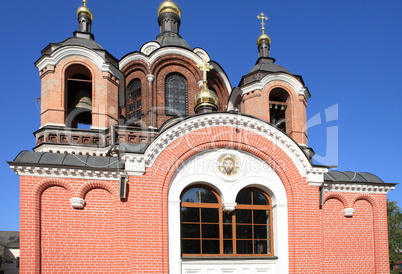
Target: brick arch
x=338 y=196
x=135 y=65
x=42 y=186
x=87 y=186
x=368 y=198
x=175 y=60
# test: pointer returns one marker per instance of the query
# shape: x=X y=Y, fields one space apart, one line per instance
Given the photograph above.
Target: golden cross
x=262 y=17
x=204 y=67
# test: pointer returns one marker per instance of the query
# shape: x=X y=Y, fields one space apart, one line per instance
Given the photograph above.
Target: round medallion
x=228 y=165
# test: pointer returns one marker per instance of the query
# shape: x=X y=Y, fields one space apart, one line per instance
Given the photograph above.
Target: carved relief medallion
x=228 y=164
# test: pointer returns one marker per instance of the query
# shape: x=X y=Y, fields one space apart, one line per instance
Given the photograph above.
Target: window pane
x=190 y=231
x=244 y=247
x=190 y=214
x=208 y=196
x=227 y=247
x=244 y=231
x=227 y=231
x=260 y=232
x=259 y=198
x=176 y=94
x=210 y=215
x=210 y=247
x=243 y=216
x=261 y=216
x=199 y=195
x=227 y=218
x=191 y=247
x=260 y=247
x=210 y=231
x=244 y=197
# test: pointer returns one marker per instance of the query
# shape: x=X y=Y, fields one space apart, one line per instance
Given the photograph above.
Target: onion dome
x=205 y=99
x=169 y=6
x=83 y=10
x=263 y=38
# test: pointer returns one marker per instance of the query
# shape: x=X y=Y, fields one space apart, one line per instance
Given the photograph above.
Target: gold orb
x=169 y=6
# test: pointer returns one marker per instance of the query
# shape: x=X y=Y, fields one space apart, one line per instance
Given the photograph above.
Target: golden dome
x=84 y=10
x=264 y=37
x=206 y=97
x=169 y=6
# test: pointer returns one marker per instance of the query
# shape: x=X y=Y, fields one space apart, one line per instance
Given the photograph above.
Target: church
x=154 y=163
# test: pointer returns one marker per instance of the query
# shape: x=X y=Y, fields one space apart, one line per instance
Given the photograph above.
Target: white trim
x=266 y=130
x=57 y=172
x=348 y=212
x=297 y=87
x=77 y=203
x=200 y=169
x=380 y=188
x=67 y=51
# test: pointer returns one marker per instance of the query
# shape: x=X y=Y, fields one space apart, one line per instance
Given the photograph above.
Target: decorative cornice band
x=358 y=187
x=60 y=172
x=241 y=122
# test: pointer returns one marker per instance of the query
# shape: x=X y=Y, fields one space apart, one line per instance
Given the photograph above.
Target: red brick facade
x=76 y=216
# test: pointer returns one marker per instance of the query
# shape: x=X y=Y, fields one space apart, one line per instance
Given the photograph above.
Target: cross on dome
x=263 y=18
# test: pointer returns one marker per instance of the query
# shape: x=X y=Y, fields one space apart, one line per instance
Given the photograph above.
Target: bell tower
x=80 y=84
x=272 y=93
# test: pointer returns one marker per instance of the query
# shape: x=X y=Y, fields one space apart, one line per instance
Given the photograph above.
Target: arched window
x=277 y=108
x=175 y=94
x=208 y=231
x=253 y=222
x=134 y=100
x=78 y=97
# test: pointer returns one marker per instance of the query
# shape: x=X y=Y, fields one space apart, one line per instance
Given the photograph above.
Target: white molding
x=380 y=188
x=199 y=169
x=134 y=164
x=265 y=130
x=67 y=51
x=62 y=172
x=72 y=148
x=77 y=203
x=297 y=87
x=149 y=47
x=348 y=212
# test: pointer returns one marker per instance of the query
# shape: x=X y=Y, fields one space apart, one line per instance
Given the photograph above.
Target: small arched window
x=176 y=94
x=277 y=108
x=78 y=97
x=208 y=231
x=134 y=100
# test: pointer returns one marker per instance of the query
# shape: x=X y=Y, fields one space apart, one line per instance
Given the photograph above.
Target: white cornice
x=358 y=187
x=284 y=142
x=298 y=88
x=62 y=172
x=64 y=52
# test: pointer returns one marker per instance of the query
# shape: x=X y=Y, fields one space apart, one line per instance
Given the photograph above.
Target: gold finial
x=204 y=67
x=85 y=10
x=205 y=98
x=169 y=6
x=263 y=18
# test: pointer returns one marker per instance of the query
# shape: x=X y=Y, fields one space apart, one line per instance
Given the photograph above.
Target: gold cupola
x=205 y=100
x=263 y=41
x=84 y=10
x=169 y=6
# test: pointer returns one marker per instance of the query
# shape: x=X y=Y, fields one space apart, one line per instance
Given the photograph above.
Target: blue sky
x=348 y=52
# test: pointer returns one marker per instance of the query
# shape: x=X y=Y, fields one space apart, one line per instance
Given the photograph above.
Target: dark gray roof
x=10 y=239
x=89 y=43
x=351 y=176
x=168 y=39
x=268 y=64
x=72 y=160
